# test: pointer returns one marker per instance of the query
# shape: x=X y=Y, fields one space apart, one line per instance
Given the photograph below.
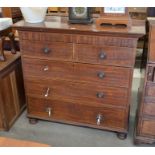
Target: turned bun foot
x=122 y=136
x=33 y=121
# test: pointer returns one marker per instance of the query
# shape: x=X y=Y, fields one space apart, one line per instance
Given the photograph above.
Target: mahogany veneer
x=78 y=74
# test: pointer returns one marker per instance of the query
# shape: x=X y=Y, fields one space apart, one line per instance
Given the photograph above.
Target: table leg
x=12 y=41
x=2 y=57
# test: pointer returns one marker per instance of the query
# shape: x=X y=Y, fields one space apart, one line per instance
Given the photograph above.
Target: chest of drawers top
x=60 y=25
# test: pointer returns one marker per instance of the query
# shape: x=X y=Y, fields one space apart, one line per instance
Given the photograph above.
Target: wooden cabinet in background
x=12 y=12
x=139 y=13
x=12 y=98
x=77 y=74
x=145 y=126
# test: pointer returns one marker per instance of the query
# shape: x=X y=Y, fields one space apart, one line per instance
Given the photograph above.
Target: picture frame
x=80 y=15
x=114 y=11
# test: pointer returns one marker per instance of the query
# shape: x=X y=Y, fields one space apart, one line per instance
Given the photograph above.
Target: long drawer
x=105 y=55
x=99 y=75
x=76 y=92
x=147 y=127
x=48 y=50
x=99 y=117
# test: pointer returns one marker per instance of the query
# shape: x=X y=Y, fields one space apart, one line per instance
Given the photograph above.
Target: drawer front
x=106 y=41
x=148 y=128
x=149 y=106
x=48 y=69
x=104 y=75
x=150 y=90
x=105 y=55
x=99 y=117
x=45 y=37
x=109 y=75
x=76 y=92
x=47 y=50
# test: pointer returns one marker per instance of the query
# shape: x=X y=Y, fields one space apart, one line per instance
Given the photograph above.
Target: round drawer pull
x=46 y=50
x=99 y=119
x=101 y=75
x=46 y=68
x=100 y=95
x=102 y=55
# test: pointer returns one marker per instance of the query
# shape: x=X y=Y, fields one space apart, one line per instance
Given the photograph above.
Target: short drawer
x=86 y=73
x=45 y=37
x=76 y=92
x=148 y=127
x=99 y=117
x=47 y=50
x=106 y=41
x=105 y=55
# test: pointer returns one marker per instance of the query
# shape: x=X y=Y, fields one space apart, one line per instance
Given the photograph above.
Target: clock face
x=80 y=12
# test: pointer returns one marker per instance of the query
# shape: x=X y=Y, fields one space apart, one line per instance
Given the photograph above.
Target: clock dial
x=80 y=12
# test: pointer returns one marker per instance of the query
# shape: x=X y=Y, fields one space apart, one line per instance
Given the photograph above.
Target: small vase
x=34 y=14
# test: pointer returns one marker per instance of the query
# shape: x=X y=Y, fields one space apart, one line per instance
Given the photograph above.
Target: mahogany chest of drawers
x=77 y=74
x=145 y=126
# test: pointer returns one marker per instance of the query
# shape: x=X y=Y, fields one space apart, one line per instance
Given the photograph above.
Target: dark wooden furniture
x=77 y=74
x=3 y=34
x=139 y=13
x=12 y=98
x=12 y=12
x=145 y=127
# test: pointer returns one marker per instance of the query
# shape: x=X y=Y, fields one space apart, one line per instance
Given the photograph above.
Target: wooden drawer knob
x=102 y=55
x=46 y=50
x=99 y=95
x=101 y=75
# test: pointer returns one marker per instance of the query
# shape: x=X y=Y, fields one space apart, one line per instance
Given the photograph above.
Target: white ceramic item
x=5 y=23
x=34 y=14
